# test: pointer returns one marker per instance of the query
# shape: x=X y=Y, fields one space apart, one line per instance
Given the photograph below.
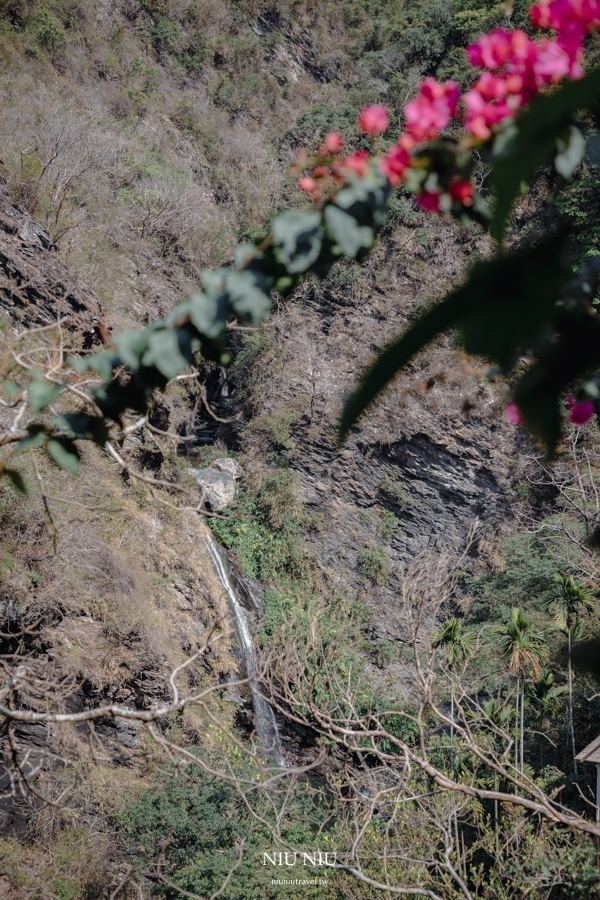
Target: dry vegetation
x=141 y=134
x=109 y=595
x=148 y=138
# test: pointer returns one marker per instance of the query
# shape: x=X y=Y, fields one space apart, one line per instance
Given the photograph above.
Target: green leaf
x=244 y=254
x=36 y=437
x=570 y=152
x=170 y=351
x=533 y=142
x=351 y=237
x=85 y=427
x=12 y=388
x=14 y=477
x=208 y=314
x=298 y=239
x=569 y=359
x=102 y=363
x=365 y=199
x=132 y=346
x=500 y=310
x=248 y=300
x=64 y=453
x=42 y=394
x=508 y=301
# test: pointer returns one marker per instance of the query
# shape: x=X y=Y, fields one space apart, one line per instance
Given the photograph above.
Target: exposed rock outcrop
x=218 y=482
x=433 y=455
x=218 y=487
x=35 y=285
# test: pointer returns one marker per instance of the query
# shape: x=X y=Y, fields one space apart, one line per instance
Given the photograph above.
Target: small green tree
x=544 y=694
x=524 y=650
x=458 y=645
x=573 y=601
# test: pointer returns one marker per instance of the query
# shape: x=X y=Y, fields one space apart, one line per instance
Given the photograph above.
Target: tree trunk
x=496 y=819
x=522 y=718
x=452 y=732
x=517 y=727
x=571 y=724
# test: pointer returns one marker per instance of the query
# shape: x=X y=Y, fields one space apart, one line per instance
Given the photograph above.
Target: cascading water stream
x=264 y=717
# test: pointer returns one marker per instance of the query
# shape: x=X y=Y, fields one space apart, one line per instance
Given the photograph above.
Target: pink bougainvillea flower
x=547 y=15
x=358 y=162
x=395 y=163
x=513 y=414
x=429 y=201
x=580 y=411
x=571 y=40
x=333 y=143
x=520 y=66
x=321 y=171
x=481 y=114
x=374 y=119
x=491 y=50
x=492 y=87
x=565 y=15
x=571 y=19
x=462 y=191
x=552 y=63
x=307 y=184
x=429 y=113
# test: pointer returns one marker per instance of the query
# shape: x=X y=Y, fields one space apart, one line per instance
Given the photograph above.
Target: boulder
x=218 y=487
x=128 y=733
x=230 y=466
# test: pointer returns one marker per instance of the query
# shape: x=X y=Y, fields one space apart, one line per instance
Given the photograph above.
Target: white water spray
x=264 y=717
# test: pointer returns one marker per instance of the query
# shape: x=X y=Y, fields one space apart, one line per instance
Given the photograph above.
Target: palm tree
x=524 y=649
x=568 y=608
x=458 y=646
x=544 y=693
x=498 y=714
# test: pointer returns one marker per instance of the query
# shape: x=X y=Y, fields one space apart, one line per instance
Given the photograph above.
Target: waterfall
x=264 y=717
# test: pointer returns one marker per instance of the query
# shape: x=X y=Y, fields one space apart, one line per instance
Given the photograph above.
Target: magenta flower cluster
x=515 y=69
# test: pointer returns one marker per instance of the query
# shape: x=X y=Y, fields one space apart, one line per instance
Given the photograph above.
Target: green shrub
x=266 y=530
x=276 y=424
x=49 y=34
x=396 y=490
x=385 y=652
x=166 y=34
x=397 y=724
x=526 y=581
x=252 y=363
x=348 y=278
x=272 y=615
x=201 y=818
x=144 y=74
x=579 y=203
x=374 y=564
x=388 y=524
x=313 y=125
x=401 y=210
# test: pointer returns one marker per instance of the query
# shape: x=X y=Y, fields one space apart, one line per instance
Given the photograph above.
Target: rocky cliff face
x=36 y=287
x=432 y=457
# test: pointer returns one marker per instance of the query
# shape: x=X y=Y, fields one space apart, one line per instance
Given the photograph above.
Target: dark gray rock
x=128 y=733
